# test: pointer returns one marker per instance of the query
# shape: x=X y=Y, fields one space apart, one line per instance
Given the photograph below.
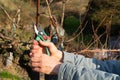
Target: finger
x=35 y=47
x=35 y=64
x=35 y=42
x=34 y=51
x=47 y=44
x=30 y=54
x=37 y=69
x=42 y=43
x=37 y=53
x=35 y=59
x=37 y=50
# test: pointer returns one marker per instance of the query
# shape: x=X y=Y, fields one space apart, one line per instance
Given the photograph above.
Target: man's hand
x=45 y=64
x=41 y=62
x=39 y=48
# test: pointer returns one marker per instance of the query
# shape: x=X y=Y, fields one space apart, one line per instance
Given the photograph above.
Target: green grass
x=8 y=76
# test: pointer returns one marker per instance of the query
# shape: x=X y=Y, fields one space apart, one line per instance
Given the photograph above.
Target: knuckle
x=51 y=44
x=32 y=64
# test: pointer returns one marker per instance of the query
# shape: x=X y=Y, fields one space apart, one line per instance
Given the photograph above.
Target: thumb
x=53 y=49
x=46 y=44
x=50 y=45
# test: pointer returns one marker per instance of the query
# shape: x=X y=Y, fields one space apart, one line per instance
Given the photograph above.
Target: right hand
x=54 y=52
x=39 y=48
x=41 y=62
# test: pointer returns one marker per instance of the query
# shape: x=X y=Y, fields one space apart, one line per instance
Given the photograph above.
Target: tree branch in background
x=95 y=36
x=108 y=28
x=6 y=13
x=5 y=37
x=95 y=41
x=99 y=50
x=77 y=34
x=63 y=12
x=12 y=40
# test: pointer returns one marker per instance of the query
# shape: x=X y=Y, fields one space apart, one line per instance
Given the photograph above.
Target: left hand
x=45 y=64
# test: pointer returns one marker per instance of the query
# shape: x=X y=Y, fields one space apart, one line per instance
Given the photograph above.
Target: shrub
x=71 y=24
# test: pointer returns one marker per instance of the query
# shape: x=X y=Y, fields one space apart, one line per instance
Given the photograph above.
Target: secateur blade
x=41 y=36
x=35 y=29
x=39 y=30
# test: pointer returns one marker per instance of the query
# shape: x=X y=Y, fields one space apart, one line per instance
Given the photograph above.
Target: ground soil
x=15 y=69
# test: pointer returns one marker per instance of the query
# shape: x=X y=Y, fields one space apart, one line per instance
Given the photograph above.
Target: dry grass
x=8 y=3
x=77 y=5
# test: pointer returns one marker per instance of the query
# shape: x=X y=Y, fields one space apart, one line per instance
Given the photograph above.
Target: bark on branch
x=99 y=50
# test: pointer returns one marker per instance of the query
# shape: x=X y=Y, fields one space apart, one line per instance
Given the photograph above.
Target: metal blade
x=40 y=29
x=35 y=29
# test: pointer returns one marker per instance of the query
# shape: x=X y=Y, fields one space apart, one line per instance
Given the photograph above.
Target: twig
x=12 y=40
x=108 y=27
x=77 y=34
x=12 y=20
x=81 y=21
x=38 y=13
x=53 y=20
x=99 y=50
x=95 y=41
x=96 y=36
x=63 y=12
x=6 y=13
x=117 y=41
x=100 y=23
x=49 y=11
x=5 y=37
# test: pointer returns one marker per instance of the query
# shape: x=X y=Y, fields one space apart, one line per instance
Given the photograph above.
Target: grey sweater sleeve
x=110 y=66
x=69 y=71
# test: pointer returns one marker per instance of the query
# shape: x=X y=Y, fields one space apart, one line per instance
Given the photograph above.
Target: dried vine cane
x=36 y=75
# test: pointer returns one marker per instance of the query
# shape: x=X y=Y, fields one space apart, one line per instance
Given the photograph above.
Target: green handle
x=39 y=37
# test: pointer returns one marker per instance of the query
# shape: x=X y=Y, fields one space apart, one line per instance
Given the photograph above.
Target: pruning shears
x=41 y=35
